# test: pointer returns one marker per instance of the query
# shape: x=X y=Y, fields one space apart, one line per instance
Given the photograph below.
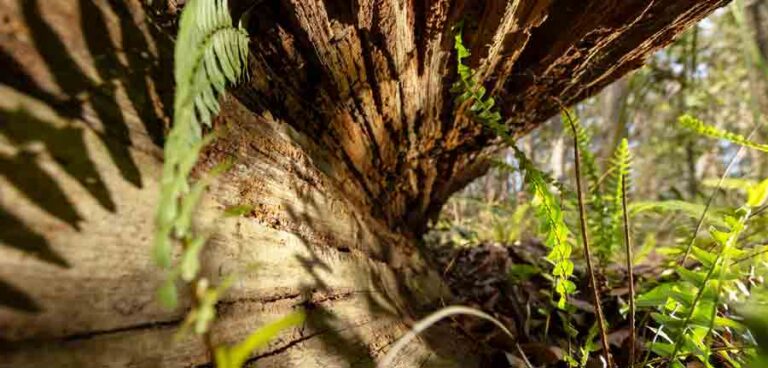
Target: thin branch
x=605 y=176
x=759 y=210
x=585 y=240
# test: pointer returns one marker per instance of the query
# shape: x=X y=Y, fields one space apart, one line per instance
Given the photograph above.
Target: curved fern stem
x=587 y=253
x=700 y=127
x=622 y=169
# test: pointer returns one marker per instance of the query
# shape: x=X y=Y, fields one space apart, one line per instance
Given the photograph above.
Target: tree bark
x=345 y=140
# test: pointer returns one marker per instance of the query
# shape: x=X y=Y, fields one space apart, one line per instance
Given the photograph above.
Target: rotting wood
x=346 y=144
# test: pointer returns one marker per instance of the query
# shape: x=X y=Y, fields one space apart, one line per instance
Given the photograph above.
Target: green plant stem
x=585 y=240
x=711 y=199
x=630 y=272
x=713 y=316
x=732 y=238
x=196 y=302
x=753 y=255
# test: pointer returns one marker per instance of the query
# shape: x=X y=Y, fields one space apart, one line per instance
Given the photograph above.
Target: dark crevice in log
x=171 y=323
x=347 y=138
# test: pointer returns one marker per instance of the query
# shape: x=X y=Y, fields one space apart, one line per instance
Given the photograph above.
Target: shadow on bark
x=308 y=101
x=345 y=343
x=142 y=75
x=14 y=298
x=353 y=342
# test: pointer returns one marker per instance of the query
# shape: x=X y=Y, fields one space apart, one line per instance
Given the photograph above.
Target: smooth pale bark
x=614 y=113
x=346 y=142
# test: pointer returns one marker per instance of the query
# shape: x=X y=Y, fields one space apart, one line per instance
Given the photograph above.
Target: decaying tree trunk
x=346 y=141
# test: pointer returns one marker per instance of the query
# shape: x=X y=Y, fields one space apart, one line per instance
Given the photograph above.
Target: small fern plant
x=601 y=218
x=210 y=54
x=691 y=306
x=546 y=206
x=467 y=88
x=552 y=222
x=690 y=310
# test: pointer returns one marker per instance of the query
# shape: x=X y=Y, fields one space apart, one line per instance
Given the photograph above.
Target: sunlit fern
x=621 y=165
x=210 y=53
x=546 y=206
x=689 y=307
x=600 y=218
x=482 y=108
x=700 y=127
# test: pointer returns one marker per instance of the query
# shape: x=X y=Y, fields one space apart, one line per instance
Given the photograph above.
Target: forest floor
x=505 y=281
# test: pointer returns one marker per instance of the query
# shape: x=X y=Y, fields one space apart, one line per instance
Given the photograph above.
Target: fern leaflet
x=621 y=165
x=545 y=204
x=210 y=53
x=700 y=127
x=690 y=305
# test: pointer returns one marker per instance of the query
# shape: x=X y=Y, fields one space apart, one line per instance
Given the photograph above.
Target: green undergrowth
x=695 y=301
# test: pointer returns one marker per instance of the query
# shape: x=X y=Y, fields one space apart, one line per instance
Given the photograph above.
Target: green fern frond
x=210 y=53
x=740 y=184
x=483 y=108
x=690 y=305
x=552 y=222
x=545 y=204
x=621 y=159
x=620 y=167
x=699 y=304
x=692 y=210
x=698 y=126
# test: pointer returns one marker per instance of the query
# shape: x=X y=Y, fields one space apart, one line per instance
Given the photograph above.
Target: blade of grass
x=430 y=320
x=522 y=355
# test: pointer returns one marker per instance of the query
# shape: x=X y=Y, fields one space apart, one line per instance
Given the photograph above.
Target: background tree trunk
x=346 y=142
x=757 y=19
x=614 y=113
